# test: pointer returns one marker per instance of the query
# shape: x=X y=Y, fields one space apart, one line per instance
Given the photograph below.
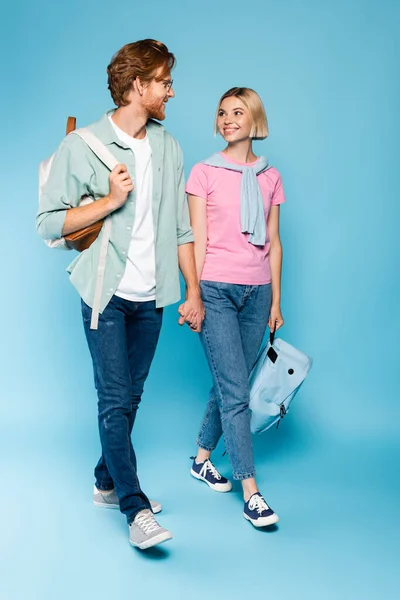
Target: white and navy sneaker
x=206 y=472
x=257 y=511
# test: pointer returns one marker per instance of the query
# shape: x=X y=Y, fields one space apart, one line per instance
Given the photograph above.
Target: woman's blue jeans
x=233 y=329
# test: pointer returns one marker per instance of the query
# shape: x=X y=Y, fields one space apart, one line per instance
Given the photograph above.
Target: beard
x=155 y=109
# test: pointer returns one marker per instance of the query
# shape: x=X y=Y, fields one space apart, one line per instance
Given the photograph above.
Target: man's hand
x=120 y=186
x=192 y=312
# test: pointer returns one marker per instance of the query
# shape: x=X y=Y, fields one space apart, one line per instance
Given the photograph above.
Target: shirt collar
x=106 y=133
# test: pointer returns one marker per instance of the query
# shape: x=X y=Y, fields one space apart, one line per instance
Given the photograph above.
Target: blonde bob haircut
x=253 y=103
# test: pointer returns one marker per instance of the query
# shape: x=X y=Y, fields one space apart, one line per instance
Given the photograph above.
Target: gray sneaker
x=110 y=500
x=145 y=532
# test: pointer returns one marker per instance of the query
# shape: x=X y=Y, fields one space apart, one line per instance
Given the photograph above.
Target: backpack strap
x=71 y=125
x=97 y=147
x=109 y=160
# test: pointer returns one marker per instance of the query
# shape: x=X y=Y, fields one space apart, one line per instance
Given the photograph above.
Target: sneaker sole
x=155 y=510
x=264 y=521
x=105 y=505
x=224 y=487
x=158 y=539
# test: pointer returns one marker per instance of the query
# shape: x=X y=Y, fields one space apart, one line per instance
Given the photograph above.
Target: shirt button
x=107 y=294
x=128 y=228
x=123 y=252
x=111 y=289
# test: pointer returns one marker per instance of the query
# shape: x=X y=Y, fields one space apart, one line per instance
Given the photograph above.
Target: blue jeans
x=122 y=349
x=233 y=329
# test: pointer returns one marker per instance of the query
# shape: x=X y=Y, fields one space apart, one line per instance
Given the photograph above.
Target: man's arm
x=63 y=189
x=192 y=310
x=59 y=211
x=83 y=216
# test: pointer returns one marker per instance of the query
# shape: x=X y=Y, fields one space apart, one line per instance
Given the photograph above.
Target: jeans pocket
x=210 y=290
x=86 y=312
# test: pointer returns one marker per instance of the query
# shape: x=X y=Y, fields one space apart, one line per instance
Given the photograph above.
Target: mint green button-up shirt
x=76 y=172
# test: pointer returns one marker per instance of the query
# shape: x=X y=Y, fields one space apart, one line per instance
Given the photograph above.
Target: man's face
x=156 y=95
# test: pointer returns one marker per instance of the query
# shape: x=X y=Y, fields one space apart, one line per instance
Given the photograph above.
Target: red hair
x=138 y=59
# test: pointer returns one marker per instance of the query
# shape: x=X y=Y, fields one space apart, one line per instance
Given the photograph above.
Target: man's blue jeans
x=122 y=349
x=233 y=329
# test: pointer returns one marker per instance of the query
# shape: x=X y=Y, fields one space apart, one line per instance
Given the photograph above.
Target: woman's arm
x=198 y=222
x=275 y=258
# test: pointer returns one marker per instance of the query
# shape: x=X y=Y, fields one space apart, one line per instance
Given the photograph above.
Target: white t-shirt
x=138 y=283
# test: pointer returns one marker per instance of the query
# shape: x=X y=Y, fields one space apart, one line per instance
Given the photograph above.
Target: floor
x=338 y=534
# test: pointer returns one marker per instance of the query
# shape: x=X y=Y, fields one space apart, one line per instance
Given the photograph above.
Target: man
x=150 y=235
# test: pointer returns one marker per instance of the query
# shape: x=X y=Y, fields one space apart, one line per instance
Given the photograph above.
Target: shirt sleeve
x=197 y=183
x=184 y=231
x=278 y=196
x=66 y=184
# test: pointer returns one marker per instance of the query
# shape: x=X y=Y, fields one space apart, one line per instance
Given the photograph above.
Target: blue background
x=328 y=74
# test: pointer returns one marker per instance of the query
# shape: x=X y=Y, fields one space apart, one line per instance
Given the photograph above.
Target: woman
x=234 y=199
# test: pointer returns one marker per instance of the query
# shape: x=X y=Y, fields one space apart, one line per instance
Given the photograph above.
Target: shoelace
x=208 y=466
x=258 y=503
x=147 y=522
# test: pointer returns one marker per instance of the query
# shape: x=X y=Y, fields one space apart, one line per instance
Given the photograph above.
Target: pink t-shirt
x=230 y=258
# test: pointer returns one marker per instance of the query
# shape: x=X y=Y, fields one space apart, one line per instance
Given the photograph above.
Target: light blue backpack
x=275 y=379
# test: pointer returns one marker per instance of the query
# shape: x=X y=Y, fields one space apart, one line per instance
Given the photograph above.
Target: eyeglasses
x=168 y=83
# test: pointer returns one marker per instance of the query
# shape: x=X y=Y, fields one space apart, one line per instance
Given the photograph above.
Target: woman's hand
x=275 y=319
x=192 y=312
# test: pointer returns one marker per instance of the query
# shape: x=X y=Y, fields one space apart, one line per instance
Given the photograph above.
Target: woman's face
x=234 y=121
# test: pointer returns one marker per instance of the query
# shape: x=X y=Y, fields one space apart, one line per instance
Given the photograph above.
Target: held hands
x=275 y=319
x=120 y=186
x=192 y=312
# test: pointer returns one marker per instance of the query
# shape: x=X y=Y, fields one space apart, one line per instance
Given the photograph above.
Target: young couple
x=225 y=241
